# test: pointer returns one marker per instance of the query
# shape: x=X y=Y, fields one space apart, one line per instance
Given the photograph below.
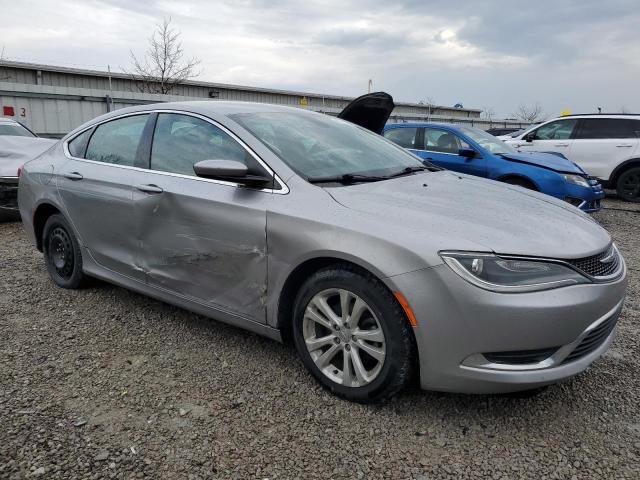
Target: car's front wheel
x=62 y=254
x=353 y=335
x=628 y=185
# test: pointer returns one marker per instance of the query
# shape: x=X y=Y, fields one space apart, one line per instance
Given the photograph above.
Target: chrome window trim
x=281 y=191
x=479 y=362
x=435 y=151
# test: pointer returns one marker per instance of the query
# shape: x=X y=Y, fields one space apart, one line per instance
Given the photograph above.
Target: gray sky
x=566 y=54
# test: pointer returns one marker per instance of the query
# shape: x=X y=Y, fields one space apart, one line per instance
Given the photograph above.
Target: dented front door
x=203 y=240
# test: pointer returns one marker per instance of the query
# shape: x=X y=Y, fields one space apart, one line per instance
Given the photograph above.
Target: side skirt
x=92 y=268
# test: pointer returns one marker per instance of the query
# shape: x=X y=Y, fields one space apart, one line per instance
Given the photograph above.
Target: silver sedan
x=303 y=227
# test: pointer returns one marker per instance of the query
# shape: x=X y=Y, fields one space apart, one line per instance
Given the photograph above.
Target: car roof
x=207 y=108
x=8 y=120
x=623 y=116
x=204 y=107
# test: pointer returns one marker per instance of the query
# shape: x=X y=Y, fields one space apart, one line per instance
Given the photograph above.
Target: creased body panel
x=98 y=205
x=204 y=240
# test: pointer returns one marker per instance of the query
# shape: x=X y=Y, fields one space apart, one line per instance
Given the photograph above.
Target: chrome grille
x=594 y=265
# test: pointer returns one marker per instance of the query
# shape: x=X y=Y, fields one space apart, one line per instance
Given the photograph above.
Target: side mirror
x=467 y=153
x=530 y=137
x=229 y=170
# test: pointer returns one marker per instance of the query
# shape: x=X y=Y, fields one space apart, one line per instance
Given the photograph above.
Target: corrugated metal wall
x=54 y=100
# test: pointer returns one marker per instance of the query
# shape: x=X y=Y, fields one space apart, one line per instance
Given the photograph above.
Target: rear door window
x=117 y=141
x=602 y=128
x=404 y=136
x=437 y=140
x=181 y=141
x=558 y=130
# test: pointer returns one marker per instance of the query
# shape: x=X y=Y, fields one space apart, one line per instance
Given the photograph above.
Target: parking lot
x=105 y=383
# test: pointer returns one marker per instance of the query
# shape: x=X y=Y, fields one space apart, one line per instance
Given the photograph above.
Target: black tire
x=399 y=364
x=628 y=185
x=62 y=254
x=520 y=182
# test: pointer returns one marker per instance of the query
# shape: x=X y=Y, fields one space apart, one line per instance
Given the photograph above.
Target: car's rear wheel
x=62 y=253
x=352 y=335
x=521 y=182
x=628 y=185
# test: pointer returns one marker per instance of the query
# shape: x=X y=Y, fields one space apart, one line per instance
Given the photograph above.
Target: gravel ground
x=105 y=383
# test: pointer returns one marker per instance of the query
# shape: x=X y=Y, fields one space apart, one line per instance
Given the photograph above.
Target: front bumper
x=586 y=199
x=9 y=194
x=458 y=323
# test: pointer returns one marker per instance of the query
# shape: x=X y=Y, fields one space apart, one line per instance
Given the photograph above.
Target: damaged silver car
x=18 y=145
x=300 y=226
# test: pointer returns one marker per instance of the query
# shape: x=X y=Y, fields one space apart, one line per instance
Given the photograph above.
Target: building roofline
x=198 y=83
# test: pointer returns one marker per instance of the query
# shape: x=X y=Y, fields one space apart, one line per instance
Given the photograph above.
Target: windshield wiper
x=347 y=178
x=410 y=170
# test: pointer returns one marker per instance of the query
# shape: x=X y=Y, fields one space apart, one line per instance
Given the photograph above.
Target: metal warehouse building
x=53 y=100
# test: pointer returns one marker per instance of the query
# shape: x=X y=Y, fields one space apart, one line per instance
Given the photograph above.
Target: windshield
x=319 y=146
x=488 y=141
x=15 y=130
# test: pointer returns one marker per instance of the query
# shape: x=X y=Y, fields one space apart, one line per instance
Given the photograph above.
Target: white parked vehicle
x=606 y=146
x=18 y=145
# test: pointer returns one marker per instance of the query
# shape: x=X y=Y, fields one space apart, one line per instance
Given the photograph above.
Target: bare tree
x=430 y=103
x=163 y=67
x=529 y=113
x=488 y=113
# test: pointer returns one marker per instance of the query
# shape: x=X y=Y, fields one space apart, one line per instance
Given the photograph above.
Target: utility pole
x=370 y=85
x=110 y=96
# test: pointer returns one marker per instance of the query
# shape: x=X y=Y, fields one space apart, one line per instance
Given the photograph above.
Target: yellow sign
x=564 y=113
x=304 y=102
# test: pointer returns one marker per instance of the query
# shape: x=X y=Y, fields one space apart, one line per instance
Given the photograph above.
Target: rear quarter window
x=78 y=145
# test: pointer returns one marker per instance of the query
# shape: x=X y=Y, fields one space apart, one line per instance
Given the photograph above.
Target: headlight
x=510 y=275
x=576 y=180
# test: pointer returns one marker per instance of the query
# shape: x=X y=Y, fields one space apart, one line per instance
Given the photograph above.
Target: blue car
x=475 y=152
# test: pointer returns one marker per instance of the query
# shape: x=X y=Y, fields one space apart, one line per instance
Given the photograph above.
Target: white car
x=606 y=146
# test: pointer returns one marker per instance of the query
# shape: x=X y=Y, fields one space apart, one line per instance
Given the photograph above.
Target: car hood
x=448 y=211
x=16 y=151
x=545 y=160
x=370 y=111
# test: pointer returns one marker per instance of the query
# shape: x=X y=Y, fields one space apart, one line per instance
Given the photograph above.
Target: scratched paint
x=207 y=244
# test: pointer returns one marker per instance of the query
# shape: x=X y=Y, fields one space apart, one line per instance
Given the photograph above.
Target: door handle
x=562 y=145
x=149 y=188
x=73 y=176
x=624 y=145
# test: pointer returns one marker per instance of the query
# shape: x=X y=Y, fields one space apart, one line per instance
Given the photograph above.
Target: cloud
x=570 y=54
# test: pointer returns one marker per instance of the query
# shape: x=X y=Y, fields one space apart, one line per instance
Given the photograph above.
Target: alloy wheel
x=344 y=338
